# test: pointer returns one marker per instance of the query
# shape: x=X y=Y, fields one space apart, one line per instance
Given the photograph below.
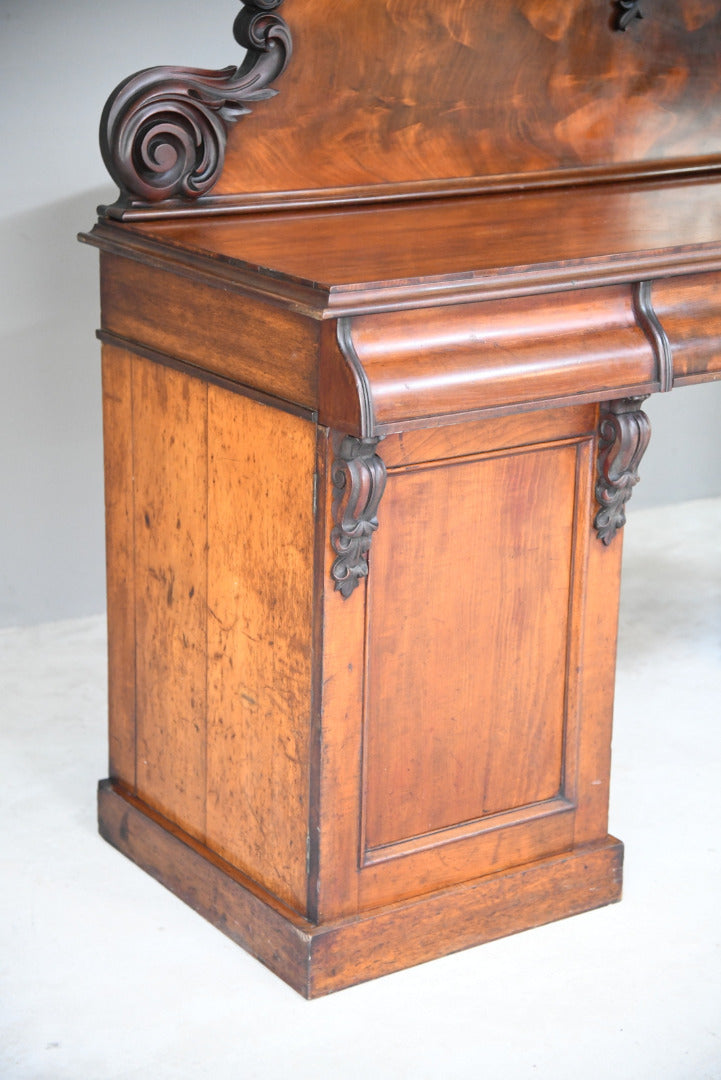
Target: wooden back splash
x=408 y=93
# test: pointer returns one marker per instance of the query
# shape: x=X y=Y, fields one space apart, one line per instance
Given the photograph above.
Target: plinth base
x=317 y=960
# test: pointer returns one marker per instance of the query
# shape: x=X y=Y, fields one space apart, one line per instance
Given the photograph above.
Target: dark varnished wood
x=628 y=10
x=406 y=97
x=450 y=89
x=163 y=131
x=624 y=435
x=359 y=479
x=439 y=252
x=689 y=309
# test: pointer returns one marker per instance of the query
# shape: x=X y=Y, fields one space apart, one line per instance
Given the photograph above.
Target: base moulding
x=319 y=959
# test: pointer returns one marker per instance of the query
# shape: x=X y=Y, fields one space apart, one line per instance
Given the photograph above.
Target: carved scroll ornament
x=624 y=433
x=359 y=479
x=628 y=10
x=163 y=131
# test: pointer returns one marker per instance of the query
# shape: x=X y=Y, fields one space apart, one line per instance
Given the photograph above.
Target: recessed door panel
x=470 y=609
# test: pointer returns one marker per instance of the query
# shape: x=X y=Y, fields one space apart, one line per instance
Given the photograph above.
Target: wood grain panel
x=235 y=904
x=689 y=310
x=341 y=711
x=234 y=336
x=260 y=602
x=459 y=440
x=402 y=91
x=465 y=685
x=316 y=960
x=120 y=571
x=170 y=468
x=476 y=911
x=501 y=244
x=596 y=651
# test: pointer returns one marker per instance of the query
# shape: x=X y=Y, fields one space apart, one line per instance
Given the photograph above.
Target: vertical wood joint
x=624 y=432
x=359 y=479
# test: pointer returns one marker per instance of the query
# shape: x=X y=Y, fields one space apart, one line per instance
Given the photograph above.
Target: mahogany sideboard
x=380 y=309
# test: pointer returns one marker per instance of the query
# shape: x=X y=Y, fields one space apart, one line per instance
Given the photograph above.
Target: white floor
x=105 y=974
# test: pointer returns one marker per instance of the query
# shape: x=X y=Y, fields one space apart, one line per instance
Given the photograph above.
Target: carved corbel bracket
x=624 y=432
x=359 y=479
x=164 y=130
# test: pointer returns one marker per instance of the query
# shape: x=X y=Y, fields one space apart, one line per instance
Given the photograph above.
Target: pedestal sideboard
x=374 y=365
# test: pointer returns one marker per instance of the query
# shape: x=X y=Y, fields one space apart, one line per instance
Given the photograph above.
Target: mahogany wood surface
x=367 y=466
x=408 y=96
x=191 y=321
x=210 y=688
x=461 y=725
x=170 y=528
x=319 y=959
x=449 y=722
x=559 y=320
x=497 y=245
x=120 y=572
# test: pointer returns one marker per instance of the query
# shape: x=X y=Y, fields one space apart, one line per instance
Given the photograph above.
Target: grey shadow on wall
x=51 y=540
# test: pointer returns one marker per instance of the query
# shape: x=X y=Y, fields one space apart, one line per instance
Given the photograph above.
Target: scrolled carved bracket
x=359 y=479
x=627 y=11
x=624 y=432
x=163 y=131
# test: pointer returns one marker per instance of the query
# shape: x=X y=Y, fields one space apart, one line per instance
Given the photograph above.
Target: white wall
x=58 y=63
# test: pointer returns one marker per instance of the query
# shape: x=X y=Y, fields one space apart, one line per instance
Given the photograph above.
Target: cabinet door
x=488 y=626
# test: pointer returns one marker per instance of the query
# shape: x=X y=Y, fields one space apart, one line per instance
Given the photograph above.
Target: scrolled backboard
x=375 y=99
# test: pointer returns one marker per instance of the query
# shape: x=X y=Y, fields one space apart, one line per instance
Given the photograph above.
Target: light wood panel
x=243 y=340
x=483 y=436
x=171 y=475
x=224 y=670
x=120 y=569
x=455 y=703
x=260 y=603
x=340 y=727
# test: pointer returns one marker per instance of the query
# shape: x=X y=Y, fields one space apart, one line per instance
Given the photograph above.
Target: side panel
x=260 y=567
x=210 y=568
x=216 y=329
x=119 y=540
x=170 y=521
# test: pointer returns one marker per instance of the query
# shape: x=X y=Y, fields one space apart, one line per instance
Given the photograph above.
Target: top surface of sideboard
x=347 y=260
x=446 y=307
